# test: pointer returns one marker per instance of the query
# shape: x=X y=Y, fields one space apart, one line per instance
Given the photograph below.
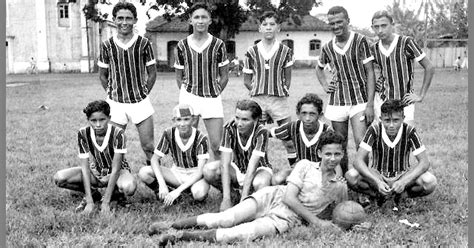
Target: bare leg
x=214 y=127
x=289 y=146
x=342 y=127
x=126 y=183
x=146 y=135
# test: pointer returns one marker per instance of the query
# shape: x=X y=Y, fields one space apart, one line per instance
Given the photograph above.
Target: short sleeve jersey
x=184 y=155
x=349 y=71
x=392 y=157
x=102 y=155
x=315 y=194
x=201 y=65
x=256 y=144
x=305 y=149
x=127 y=64
x=396 y=65
x=268 y=69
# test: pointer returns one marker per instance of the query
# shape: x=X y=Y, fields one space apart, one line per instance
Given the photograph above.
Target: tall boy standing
x=202 y=74
x=128 y=73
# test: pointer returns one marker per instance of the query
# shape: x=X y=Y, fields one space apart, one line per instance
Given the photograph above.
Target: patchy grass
x=41 y=142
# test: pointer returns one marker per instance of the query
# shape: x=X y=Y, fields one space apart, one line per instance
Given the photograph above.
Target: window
x=314 y=47
x=63 y=14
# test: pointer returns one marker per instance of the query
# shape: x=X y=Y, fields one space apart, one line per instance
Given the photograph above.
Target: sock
x=208 y=235
x=185 y=223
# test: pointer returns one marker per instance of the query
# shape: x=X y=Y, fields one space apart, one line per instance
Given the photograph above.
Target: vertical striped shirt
x=184 y=155
x=349 y=71
x=102 y=155
x=396 y=65
x=391 y=158
x=268 y=69
x=201 y=65
x=256 y=144
x=305 y=149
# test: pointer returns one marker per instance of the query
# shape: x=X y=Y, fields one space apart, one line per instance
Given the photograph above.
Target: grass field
x=40 y=142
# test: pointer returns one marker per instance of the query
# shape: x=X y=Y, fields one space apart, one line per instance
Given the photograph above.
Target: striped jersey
x=396 y=65
x=268 y=69
x=184 y=155
x=256 y=144
x=102 y=155
x=391 y=158
x=349 y=72
x=201 y=65
x=305 y=149
x=127 y=64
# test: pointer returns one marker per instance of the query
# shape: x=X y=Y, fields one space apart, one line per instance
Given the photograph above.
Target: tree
x=91 y=12
x=408 y=22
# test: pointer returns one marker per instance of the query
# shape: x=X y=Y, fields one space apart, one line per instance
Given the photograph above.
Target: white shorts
x=274 y=106
x=206 y=107
x=408 y=111
x=241 y=176
x=182 y=174
x=121 y=113
x=343 y=113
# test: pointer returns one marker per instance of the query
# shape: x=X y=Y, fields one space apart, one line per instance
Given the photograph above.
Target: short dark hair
x=392 y=106
x=381 y=14
x=97 y=106
x=310 y=98
x=269 y=14
x=126 y=6
x=251 y=106
x=196 y=6
x=338 y=9
x=330 y=137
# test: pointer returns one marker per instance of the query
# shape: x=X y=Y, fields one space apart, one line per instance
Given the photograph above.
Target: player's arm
x=155 y=166
x=369 y=111
x=150 y=82
x=413 y=173
x=116 y=166
x=223 y=76
x=320 y=74
x=225 y=177
x=86 y=180
x=249 y=175
x=248 y=80
x=427 y=77
x=287 y=73
x=104 y=77
x=363 y=169
x=179 y=77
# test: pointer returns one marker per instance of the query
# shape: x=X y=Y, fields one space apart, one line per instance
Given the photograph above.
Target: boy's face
x=99 y=121
x=331 y=155
x=244 y=121
x=200 y=20
x=382 y=27
x=309 y=115
x=184 y=124
x=339 y=24
x=125 y=21
x=269 y=27
x=392 y=122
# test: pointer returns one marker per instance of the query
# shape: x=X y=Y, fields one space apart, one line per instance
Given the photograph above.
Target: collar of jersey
x=179 y=141
x=106 y=138
x=272 y=51
x=390 y=48
x=315 y=139
x=129 y=43
x=387 y=140
x=346 y=46
x=193 y=45
x=249 y=140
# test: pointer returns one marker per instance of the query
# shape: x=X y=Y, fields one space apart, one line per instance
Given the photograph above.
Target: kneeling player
x=104 y=144
x=244 y=163
x=189 y=149
x=311 y=188
x=390 y=142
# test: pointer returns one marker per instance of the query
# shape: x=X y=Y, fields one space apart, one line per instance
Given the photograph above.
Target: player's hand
x=330 y=88
x=369 y=114
x=411 y=98
x=169 y=198
x=383 y=188
x=225 y=204
x=398 y=186
x=379 y=84
x=89 y=208
x=163 y=191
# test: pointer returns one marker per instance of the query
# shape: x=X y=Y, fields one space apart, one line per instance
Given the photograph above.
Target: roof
x=309 y=23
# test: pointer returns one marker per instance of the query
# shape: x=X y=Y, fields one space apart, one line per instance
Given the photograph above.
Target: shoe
x=157 y=228
x=166 y=239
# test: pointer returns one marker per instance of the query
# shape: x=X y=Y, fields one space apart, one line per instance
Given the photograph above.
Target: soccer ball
x=347 y=214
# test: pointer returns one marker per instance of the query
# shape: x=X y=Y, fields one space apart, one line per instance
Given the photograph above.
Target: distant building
x=305 y=40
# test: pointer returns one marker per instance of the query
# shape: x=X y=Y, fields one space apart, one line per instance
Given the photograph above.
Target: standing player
x=351 y=91
x=124 y=62
x=188 y=147
x=395 y=54
x=244 y=163
x=202 y=73
x=104 y=145
x=390 y=142
x=304 y=133
x=311 y=189
x=267 y=75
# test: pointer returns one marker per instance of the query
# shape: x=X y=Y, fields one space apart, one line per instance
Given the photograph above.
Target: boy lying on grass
x=104 y=145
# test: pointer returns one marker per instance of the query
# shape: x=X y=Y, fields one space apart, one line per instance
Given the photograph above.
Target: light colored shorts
x=182 y=174
x=241 y=176
x=343 y=113
x=206 y=107
x=274 y=106
x=136 y=112
x=408 y=111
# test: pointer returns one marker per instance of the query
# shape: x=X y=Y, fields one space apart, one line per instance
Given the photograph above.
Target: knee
x=428 y=182
x=128 y=187
x=199 y=193
x=352 y=177
x=144 y=176
x=59 y=179
x=211 y=171
x=280 y=177
x=260 y=182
